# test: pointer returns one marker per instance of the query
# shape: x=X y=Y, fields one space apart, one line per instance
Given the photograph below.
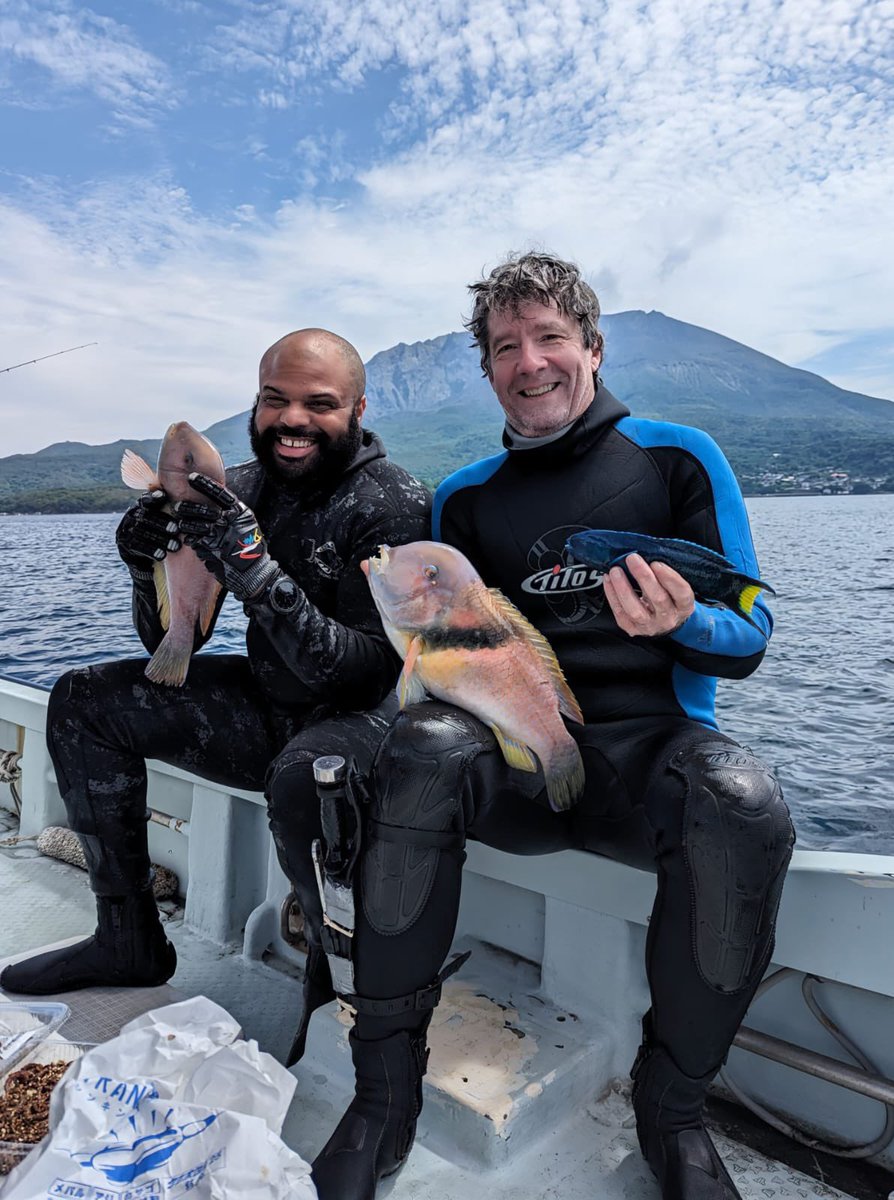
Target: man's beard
x=324 y=468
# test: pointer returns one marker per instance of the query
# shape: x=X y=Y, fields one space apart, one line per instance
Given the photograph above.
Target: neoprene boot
x=317 y=991
x=672 y=1136
x=127 y=949
x=375 y=1135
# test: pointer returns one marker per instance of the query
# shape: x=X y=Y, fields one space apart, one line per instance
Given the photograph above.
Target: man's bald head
x=316 y=344
x=305 y=424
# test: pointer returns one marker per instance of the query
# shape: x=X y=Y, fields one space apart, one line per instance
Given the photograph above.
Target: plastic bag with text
x=173 y=1106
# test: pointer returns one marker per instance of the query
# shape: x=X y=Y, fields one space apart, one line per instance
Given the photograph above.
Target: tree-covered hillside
x=783 y=429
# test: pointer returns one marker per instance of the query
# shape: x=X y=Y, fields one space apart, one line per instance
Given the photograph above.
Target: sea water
x=820 y=710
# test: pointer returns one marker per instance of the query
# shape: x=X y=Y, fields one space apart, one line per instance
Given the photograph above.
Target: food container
x=51 y=1050
x=28 y=1036
x=24 y=1026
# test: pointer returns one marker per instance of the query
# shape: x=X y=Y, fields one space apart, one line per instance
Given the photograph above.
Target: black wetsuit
x=665 y=789
x=235 y=713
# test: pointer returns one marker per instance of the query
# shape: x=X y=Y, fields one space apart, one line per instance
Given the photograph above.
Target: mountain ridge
x=436 y=411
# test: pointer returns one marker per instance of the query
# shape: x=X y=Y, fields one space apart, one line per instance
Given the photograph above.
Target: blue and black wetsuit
x=511 y=515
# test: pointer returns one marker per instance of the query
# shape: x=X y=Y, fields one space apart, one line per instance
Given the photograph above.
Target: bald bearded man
x=318 y=497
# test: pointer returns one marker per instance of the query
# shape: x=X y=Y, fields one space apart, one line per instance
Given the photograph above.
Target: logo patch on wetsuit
x=561 y=581
x=570 y=578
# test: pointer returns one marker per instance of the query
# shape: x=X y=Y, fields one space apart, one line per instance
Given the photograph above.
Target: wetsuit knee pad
x=289 y=782
x=737 y=841
x=288 y=774
x=417 y=793
x=293 y=814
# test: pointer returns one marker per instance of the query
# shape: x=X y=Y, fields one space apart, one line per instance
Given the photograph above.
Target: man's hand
x=146 y=533
x=226 y=537
x=664 y=602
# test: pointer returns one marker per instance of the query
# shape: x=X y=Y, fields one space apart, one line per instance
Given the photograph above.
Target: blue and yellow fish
x=711 y=576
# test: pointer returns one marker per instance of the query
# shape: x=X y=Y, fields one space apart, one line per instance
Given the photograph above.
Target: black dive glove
x=226 y=537
x=146 y=532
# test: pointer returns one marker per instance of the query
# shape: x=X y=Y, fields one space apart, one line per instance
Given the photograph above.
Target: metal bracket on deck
x=866 y=1079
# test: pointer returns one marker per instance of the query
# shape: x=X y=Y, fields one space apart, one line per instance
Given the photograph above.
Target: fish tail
x=747 y=590
x=564 y=777
x=747 y=597
x=170 y=662
x=741 y=593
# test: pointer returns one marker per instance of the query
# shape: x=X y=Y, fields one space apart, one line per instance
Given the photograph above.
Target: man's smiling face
x=306 y=418
x=540 y=369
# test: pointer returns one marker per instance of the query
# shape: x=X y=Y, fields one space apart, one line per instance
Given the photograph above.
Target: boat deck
x=594 y=1154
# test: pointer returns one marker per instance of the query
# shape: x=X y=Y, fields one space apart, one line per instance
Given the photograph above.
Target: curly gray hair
x=528 y=277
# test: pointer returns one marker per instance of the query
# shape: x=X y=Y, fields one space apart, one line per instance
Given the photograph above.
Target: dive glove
x=226 y=537
x=146 y=531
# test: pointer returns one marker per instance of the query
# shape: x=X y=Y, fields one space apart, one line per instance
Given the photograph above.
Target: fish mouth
x=378 y=563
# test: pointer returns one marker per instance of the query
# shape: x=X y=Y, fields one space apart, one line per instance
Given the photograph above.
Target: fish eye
x=430 y=572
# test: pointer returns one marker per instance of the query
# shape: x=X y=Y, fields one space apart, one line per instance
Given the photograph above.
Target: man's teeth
x=531 y=393
x=296 y=443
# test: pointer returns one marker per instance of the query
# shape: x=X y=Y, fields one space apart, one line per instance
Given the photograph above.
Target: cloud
x=82 y=50
x=728 y=163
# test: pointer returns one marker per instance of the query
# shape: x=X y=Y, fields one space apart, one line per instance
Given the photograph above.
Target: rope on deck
x=64 y=844
x=11 y=774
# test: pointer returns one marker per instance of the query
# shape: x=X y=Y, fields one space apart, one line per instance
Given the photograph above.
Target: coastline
x=783 y=493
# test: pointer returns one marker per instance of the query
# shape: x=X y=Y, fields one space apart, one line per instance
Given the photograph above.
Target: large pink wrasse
x=187 y=592
x=468 y=645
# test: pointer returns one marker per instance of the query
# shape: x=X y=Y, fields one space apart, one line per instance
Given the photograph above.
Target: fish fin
x=162 y=597
x=742 y=594
x=568 y=704
x=137 y=473
x=747 y=590
x=747 y=597
x=516 y=753
x=745 y=603
x=410 y=689
x=170 y=662
x=603 y=548
x=565 y=779
x=206 y=616
x=705 y=553
x=398 y=639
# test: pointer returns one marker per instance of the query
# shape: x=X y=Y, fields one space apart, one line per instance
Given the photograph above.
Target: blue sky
x=183 y=182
